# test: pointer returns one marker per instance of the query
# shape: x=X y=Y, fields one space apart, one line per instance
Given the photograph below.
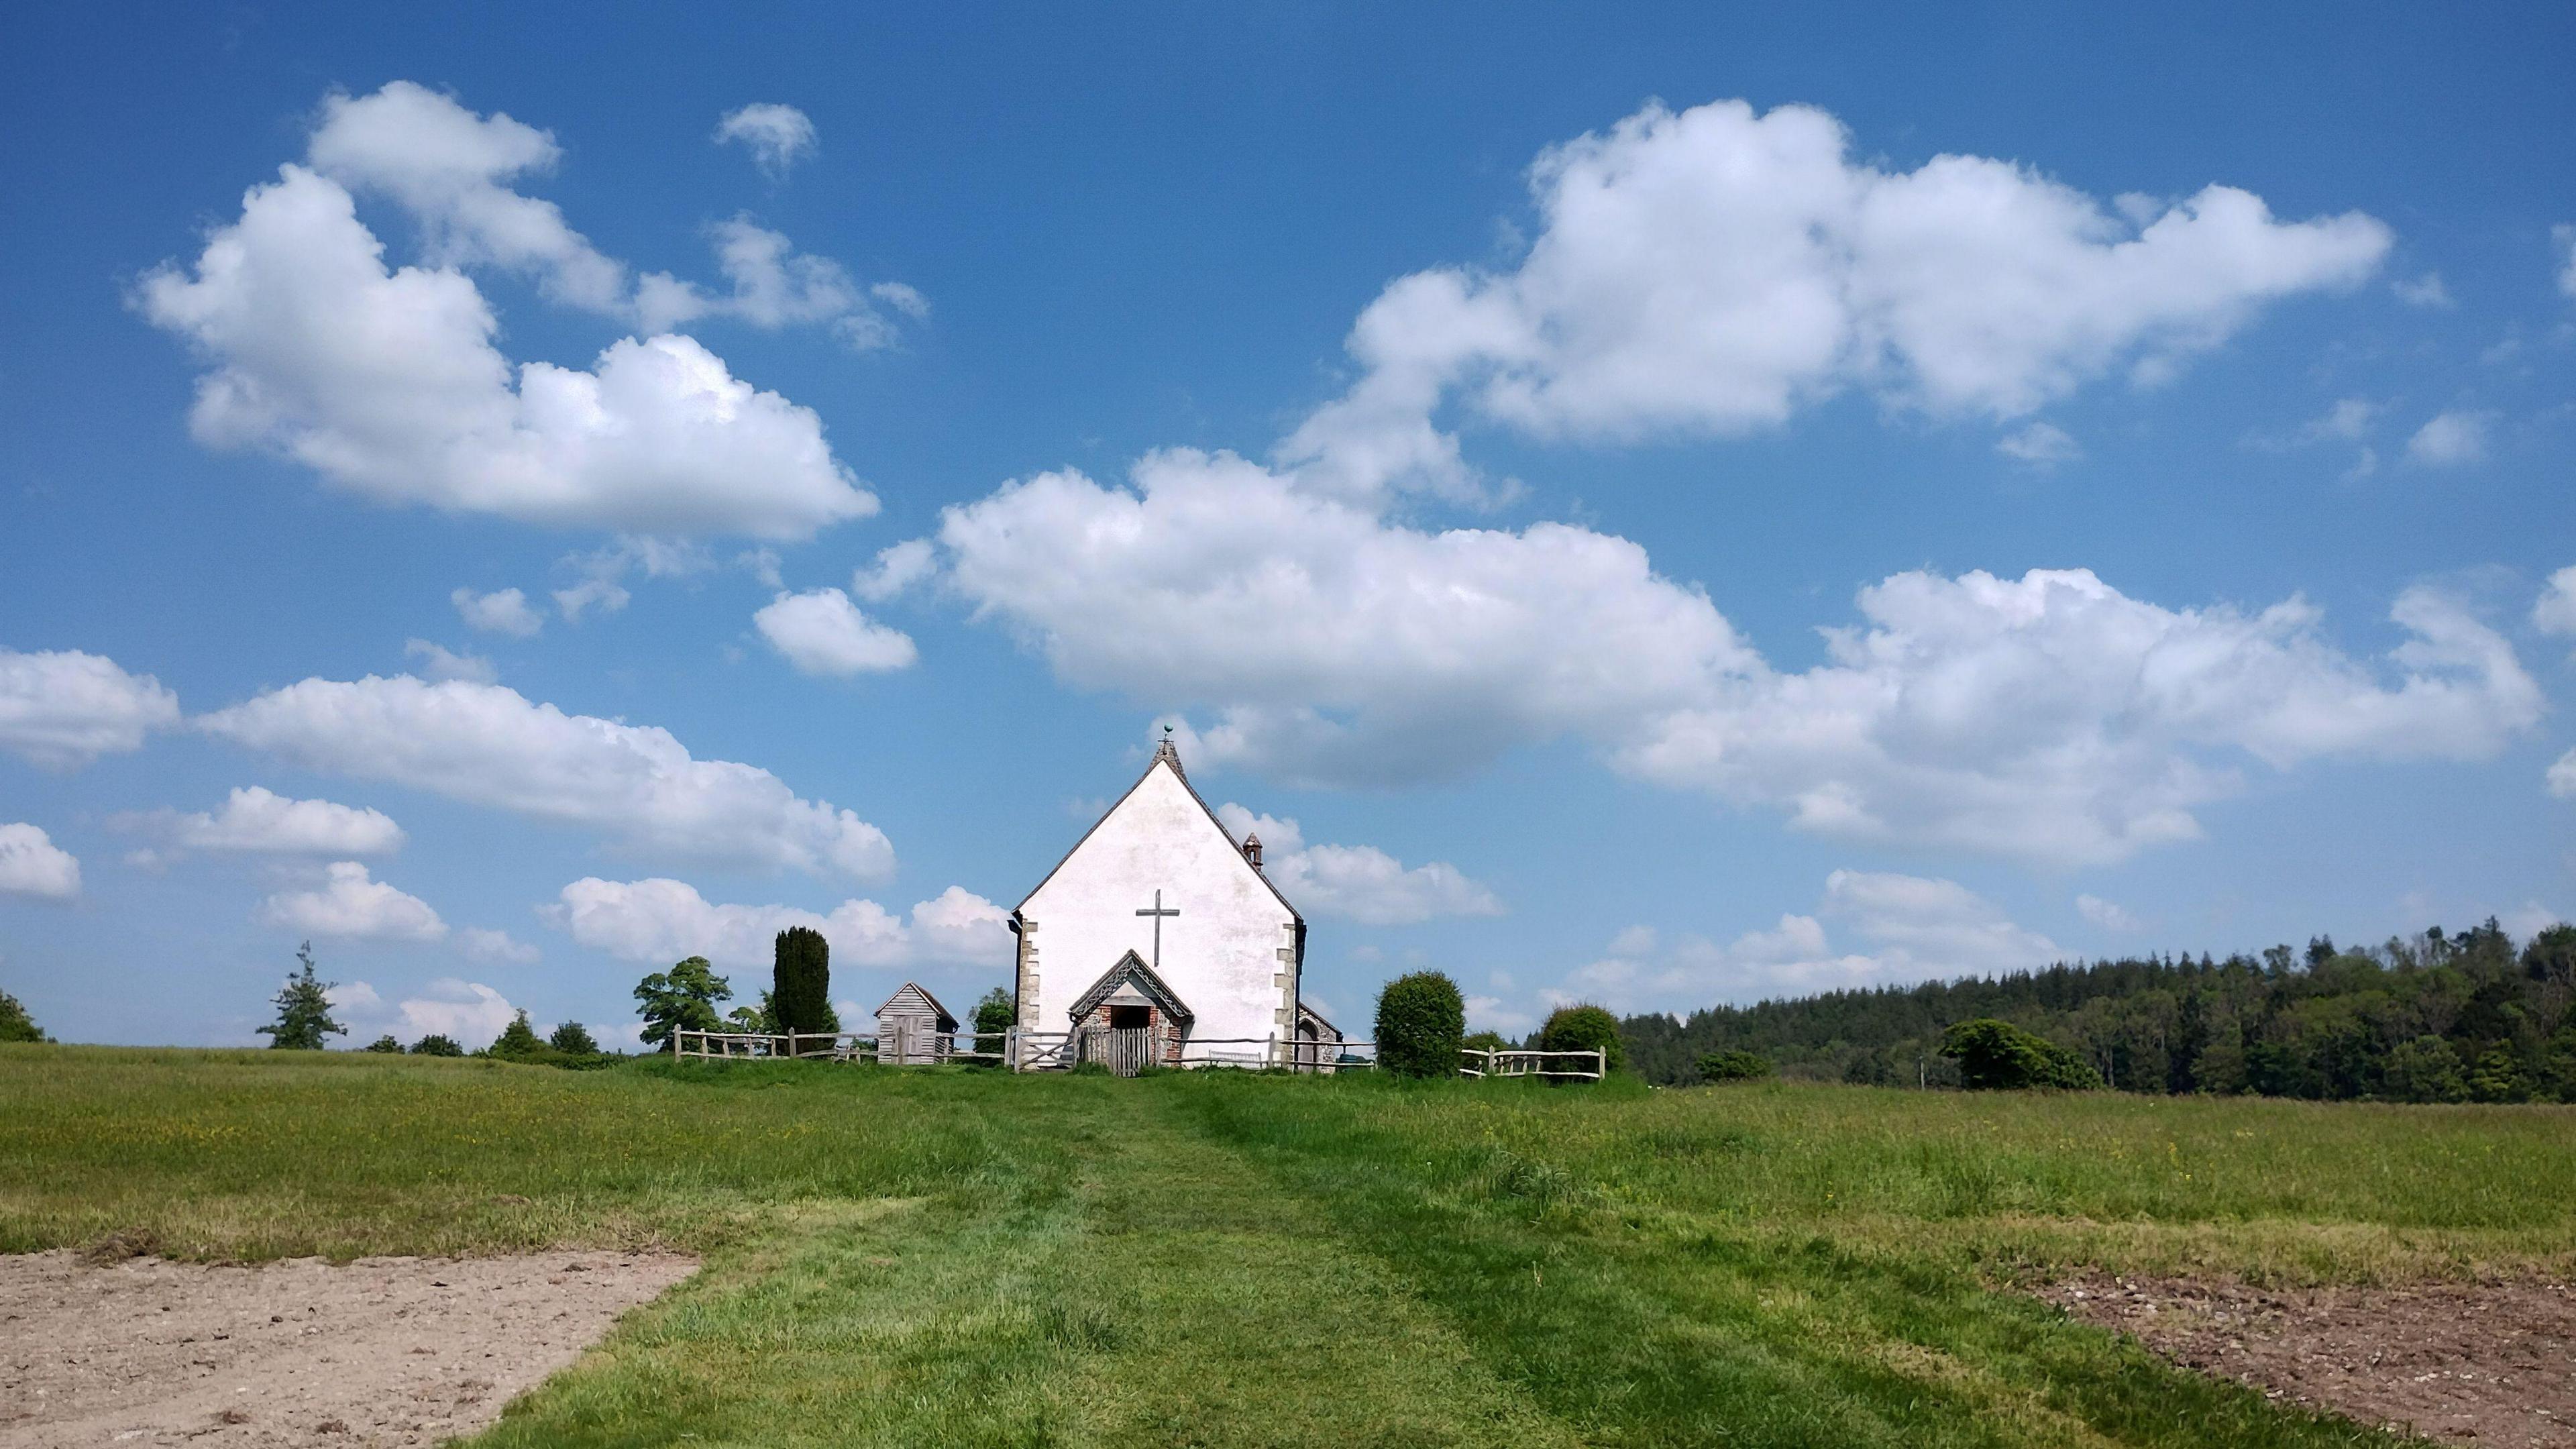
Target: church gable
x=1159 y=877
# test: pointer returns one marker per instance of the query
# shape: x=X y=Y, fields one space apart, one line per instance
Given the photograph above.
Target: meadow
x=959 y=1257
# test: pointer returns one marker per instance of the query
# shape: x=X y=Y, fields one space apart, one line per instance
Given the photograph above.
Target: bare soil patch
x=2484 y=1363
x=382 y=1351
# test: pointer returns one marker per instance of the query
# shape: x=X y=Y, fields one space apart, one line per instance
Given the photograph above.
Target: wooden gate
x=1124 y=1050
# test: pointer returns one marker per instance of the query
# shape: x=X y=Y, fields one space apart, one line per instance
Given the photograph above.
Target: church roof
x=1166 y=756
x=1308 y=1013
x=1132 y=968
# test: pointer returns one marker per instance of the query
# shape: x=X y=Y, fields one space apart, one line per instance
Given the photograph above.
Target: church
x=1159 y=939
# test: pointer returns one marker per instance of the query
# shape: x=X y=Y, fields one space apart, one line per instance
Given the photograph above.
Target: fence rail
x=1586 y=1066
x=1122 y=1050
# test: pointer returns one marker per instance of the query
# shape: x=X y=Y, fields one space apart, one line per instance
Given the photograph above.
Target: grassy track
x=960 y=1258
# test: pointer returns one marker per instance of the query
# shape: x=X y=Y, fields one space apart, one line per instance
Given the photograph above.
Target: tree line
x=2440 y=1017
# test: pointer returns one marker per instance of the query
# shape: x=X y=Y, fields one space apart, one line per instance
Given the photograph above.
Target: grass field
x=954 y=1257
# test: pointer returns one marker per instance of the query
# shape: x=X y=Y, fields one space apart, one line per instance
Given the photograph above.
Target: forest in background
x=2440 y=1017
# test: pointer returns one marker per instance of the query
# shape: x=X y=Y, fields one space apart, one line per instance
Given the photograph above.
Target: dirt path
x=382 y=1351
x=2464 y=1363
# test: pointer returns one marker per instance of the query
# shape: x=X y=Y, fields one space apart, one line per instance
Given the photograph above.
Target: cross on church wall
x=1158 y=912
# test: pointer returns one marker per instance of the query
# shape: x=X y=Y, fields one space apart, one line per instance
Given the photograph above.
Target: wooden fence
x=1580 y=1066
x=1124 y=1051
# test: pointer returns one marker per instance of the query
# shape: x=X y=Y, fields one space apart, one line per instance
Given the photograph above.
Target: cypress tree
x=801 y=989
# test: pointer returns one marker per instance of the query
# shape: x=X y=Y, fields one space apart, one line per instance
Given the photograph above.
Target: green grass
x=955 y=1257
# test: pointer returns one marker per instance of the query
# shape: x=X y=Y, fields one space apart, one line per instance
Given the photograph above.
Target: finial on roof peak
x=1166 y=750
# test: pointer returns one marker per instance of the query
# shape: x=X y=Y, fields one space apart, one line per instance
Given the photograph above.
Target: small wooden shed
x=913 y=1028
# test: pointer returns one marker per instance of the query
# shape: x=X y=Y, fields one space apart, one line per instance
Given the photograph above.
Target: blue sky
x=1674 y=509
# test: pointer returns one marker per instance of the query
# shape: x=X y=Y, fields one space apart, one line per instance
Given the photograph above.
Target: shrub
x=682 y=999
x=1421 y=1019
x=1735 y=1066
x=800 y=997
x=1584 y=1029
x=1871 y=1069
x=573 y=1040
x=15 y=1023
x=437 y=1044
x=1485 y=1041
x=303 y=1009
x=385 y=1043
x=993 y=1022
x=1999 y=1056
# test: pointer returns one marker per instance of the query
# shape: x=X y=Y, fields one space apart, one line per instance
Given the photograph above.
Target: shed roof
x=947 y=1021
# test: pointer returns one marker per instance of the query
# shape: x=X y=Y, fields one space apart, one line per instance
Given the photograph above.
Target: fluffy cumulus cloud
x=2055 y=718
x=256 y=820
x=1357 y=882
x=2562 y=776
x=1711 y=271
x=349 y=905
x=2050 y=717
x=503 y=611
x=664 y=920
x=2451 y=440
x=1336 y=649
x=1910 y=928
x=777 y=136
x=32 y=866
x=488 y=745
x=822 y=632
x=62 y=709
x=386 y=380
x=468 y=1013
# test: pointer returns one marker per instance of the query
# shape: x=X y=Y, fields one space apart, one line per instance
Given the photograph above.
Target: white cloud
x=898 y=567
x=2564 y=239
x=2562 y=776
x=32 y=865
x=348 y=904
x=778 y=136
x=439 y=662
x=2555 y=610
x=2049 y=717
x=503 y=611
x=2452 y=439
x=1337 y=649
x=2424 y=291
x=388 y=385
x=1357 y=882
x=773 y=286
x=664 y=920
x=488 y=745
x=606 y=595
x=468 y=1013
x=62 y=709
x=2041 y=445
x=2107 y=914
x=822 y=632
x=1918 y=929
x=257 y=820
x=2054 y=718
x=484 y=944
x=1714 y=270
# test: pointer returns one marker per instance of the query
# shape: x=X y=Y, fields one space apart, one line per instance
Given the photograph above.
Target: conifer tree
x=573 y=1040
x=303 y=1010
x=518 y=1039
x=801 y=988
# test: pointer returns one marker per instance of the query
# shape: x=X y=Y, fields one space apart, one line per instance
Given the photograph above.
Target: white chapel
x=1159 y=921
